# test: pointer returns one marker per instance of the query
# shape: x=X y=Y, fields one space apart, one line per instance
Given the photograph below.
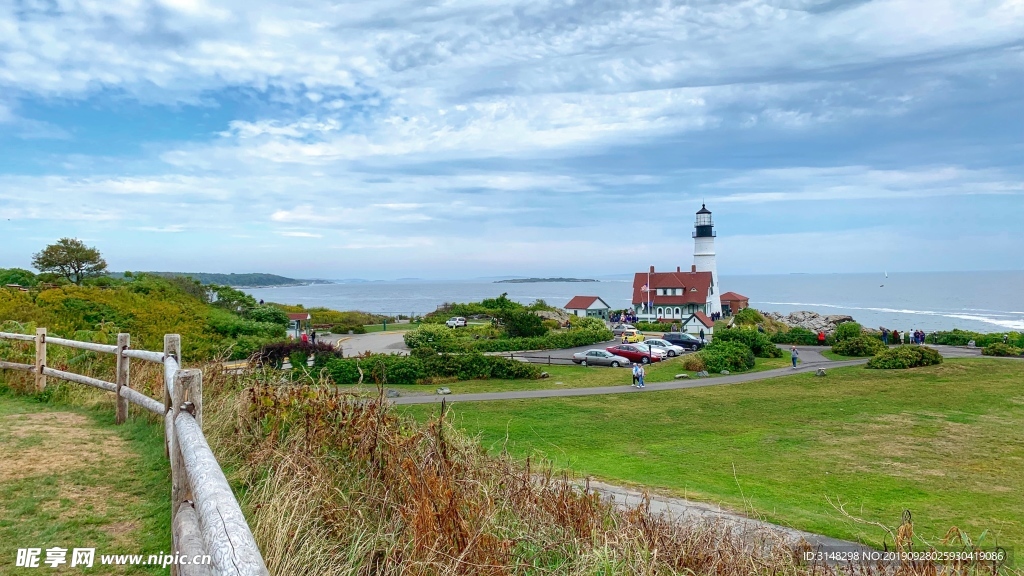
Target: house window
x=678 y=313
x=661 y=311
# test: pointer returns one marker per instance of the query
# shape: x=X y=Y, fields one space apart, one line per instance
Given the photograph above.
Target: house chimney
x=677 y=269
x=652 y=269
x=693 y=268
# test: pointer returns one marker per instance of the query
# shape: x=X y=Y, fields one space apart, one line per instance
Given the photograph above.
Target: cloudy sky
x=397 y=138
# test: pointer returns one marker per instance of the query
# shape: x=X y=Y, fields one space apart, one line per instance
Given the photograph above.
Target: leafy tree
x=17 y=276
x=232 y=299
x=270 y=314
x=71 y=259
x=847 y=330
x=520 y=323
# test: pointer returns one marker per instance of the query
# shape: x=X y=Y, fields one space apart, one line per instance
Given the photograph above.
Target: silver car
x=599 y=358
x=619 y=329
x=671 y=349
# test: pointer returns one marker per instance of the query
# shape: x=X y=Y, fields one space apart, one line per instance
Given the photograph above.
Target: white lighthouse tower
x=704 y=255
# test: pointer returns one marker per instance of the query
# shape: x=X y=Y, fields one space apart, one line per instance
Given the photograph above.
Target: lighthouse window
x=678 y=313
x=661 y=312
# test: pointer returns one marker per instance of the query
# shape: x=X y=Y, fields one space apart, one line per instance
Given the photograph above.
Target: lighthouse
x=704 y=255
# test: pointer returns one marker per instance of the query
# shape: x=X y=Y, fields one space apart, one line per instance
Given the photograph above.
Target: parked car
x=682 y=339
x=620 y=328
x=652 y=350
x=671 y=349
x=600 y=358
x=636 y=353
x=456 y=322
x=632 y=335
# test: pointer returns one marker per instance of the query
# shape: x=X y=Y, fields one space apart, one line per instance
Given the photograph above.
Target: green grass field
x=71 y=478
x=945 y=442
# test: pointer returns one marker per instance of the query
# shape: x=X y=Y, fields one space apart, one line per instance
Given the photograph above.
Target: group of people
x=715 y=316
x=908 y=337
x=624 y=317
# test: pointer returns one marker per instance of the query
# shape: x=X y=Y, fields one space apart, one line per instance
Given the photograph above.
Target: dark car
x=682 y=339
x=637 y=353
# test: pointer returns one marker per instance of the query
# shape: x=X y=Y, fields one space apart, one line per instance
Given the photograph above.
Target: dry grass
x=337 y=485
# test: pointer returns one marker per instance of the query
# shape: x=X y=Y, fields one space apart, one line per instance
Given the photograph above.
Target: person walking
x=701 y=335
x=623 y=337
x=794 y=355
x=885 y=336
x=640 y=376
x=636 y=374
x=821 y=338
x=312 y=337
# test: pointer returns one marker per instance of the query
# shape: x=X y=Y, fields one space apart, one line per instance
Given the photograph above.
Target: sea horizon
x=982 y=301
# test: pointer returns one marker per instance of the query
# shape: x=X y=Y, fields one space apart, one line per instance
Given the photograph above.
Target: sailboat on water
x=886 y=275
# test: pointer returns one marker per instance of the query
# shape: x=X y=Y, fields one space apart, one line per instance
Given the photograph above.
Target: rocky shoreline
x=810 y=320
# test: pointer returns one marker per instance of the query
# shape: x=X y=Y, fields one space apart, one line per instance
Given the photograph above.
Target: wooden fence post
x=188 y=387
x=123 y=362
x=40 y=359
x=172 y=347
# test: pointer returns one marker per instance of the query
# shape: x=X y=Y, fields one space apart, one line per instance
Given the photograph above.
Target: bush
x=587 y=323
x=797 y=335
x=268 y=314
x=1000 y=349
x=902 y=357
x=344 y=329
x=436 y=336
x=858 y=346
x=747 y=317
x=725 y=355
x=275 y=353
x=523 y=324
x=693 y=363
x=444 y=339
x=551 y=324
x=760 y=344
x=427 y=365
x=962 y=337
x=847 y=330
x=654 y=326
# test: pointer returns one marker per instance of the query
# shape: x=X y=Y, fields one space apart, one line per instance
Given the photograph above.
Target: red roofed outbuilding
x=733 y=303
x=588 y=306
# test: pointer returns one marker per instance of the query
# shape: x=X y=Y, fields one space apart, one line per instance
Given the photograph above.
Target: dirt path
x=68 y=481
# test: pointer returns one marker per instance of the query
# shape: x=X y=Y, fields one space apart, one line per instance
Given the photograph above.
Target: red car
x=636 y=353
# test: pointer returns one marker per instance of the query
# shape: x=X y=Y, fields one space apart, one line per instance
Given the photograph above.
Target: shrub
x=725 y=355
x=797 y=335
x=587 y=323
x=654 y=326
x=902 y=357
x=847 y=330
x=760 y=344
x=523 y=324
x=694 y=363
x=747 y=317
x=1000 y=349
x=858 y=346
x=427 y=365
x=344 y=328
x=551 y=324
x=962 y=337
x=274 y=353
x=431 y=335
x=267 y=314
x=298 y=358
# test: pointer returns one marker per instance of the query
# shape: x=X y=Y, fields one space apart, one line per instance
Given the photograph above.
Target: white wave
x=1011 y=324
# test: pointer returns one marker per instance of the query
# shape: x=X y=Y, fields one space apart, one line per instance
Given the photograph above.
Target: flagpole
x=648 y=295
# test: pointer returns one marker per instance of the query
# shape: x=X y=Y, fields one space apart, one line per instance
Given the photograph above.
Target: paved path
x=696 y=513
x=806 y=366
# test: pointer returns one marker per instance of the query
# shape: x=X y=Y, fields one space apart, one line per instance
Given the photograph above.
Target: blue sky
x=438 y=139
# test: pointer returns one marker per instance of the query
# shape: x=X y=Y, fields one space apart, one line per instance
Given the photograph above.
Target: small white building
x=696 y=322
x=588 y=306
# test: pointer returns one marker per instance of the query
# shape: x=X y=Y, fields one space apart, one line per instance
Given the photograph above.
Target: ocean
x=978 y=301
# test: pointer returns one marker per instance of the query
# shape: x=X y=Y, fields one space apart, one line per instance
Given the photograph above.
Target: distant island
x=252 y=280
x=532 y=280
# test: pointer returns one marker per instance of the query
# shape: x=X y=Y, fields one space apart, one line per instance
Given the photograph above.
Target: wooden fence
x=205 y=517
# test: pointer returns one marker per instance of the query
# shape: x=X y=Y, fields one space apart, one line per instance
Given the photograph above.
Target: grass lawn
x=392 y=327
x=572 y=376
x=72 y=479
x=946 y=442
x=833 y=356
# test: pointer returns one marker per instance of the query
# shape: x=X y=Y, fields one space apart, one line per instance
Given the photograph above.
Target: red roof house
x=733 y=303
x=592 y=306
x=672 y=295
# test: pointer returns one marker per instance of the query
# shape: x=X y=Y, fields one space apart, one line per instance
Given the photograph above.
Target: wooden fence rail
x=206 y=519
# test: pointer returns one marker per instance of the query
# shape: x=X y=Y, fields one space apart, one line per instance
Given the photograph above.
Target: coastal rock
x=681 y=376
x=724 y=372
x=545 y=375
x=810 y=320
x=558 y=315
x=819 y=372
x=392 y=393
x=443 y=391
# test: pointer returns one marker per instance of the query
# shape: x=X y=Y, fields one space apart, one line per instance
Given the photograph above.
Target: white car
x=652 y=350
x=456 y=322
x=671 y=349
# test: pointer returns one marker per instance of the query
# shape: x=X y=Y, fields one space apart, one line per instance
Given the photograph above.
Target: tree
x=18 y=276
x=70 y=258
x=523 y=324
